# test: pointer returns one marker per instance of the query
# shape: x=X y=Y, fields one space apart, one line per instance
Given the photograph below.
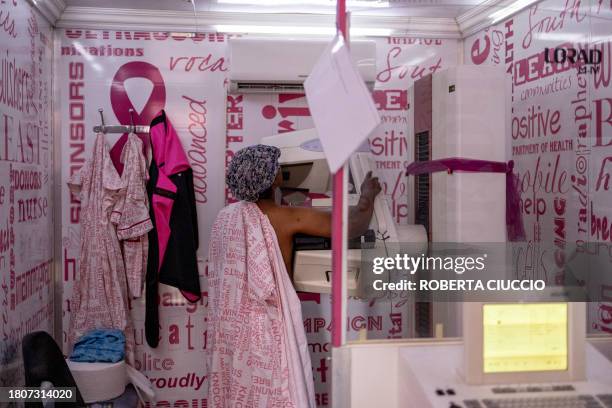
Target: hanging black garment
x=174 y=240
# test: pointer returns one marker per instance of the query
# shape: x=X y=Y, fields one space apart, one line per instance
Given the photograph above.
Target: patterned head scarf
x=252 y=171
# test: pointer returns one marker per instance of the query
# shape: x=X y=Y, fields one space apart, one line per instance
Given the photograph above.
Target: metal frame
x=339 y=225
x=58 y=256
x=340 y=357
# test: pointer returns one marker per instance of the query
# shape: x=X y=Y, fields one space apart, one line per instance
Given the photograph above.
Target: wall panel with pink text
x=26 y=181
x=559 y=126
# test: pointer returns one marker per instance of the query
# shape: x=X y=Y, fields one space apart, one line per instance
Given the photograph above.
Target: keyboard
x=568 y=401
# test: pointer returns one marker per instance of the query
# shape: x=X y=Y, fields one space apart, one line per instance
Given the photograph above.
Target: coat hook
x=132 y=120
x=102 y=125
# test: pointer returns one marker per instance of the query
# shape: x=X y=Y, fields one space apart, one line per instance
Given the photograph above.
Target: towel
x=100 y=346
x=257 y=355
x=514 y=219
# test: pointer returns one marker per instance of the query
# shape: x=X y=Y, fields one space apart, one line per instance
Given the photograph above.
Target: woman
x=257 y=350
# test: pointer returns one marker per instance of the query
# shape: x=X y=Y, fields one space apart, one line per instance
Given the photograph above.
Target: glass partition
x=529 y=95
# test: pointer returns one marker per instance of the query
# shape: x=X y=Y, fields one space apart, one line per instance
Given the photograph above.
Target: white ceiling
x=423 y=18
x=426 y=18
x=396 y=8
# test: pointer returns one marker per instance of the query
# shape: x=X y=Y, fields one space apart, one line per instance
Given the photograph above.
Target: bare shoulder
x=305 y=220
x=299 y=214
x=283 y=216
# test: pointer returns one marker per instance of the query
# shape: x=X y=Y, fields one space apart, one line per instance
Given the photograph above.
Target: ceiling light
x=180 y=34
x=513 y=8
x=573 y=37
x=329 y=3
x=301 y=30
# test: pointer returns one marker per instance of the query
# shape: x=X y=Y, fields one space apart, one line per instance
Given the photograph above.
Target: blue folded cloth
x=100 y=346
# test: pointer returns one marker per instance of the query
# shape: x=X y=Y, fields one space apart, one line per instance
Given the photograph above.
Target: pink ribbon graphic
x=121 y=103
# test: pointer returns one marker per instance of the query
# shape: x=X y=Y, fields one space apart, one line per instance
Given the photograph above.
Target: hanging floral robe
x=257 y=354
x=99 y=293
x=131 y=213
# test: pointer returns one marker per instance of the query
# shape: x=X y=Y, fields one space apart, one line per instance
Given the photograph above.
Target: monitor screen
x=525 y=337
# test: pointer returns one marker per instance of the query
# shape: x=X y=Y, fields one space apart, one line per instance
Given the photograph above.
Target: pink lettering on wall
x=602 y=76
x=142 y=36
x=603 y=122
x=535 y=67
x=395 y=68
x=481 y=47
x=197 y=147
x=548 y=24
x=26 y=289
x=604 y=322
x=285 y=124
x=601 y=226
x=208 y=63
x=491 y=44
x=391 y=99
x=546 y=177
x=536 y=123
x=604 y=174
x=76 y=116
x=414 y=41
x=8 y=23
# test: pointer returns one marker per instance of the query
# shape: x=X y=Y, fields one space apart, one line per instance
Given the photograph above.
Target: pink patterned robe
x=257 y=354
x=131 y=214
x=100 y=292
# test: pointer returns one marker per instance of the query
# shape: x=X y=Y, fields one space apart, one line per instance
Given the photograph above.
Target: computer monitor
x=509 y=343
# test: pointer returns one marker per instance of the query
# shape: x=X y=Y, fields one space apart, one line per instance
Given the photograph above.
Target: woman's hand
x=370 y=187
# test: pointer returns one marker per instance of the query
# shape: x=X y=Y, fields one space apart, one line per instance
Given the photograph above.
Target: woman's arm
x=360 y=215
x=318 y=223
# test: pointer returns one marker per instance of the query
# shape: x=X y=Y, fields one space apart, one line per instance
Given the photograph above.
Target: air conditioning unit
x=275 y=66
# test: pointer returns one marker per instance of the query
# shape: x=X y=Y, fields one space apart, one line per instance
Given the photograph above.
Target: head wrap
x=252 y=171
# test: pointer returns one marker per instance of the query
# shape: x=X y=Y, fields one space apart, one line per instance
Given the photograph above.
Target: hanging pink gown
x=100 y=292
x=257 y=354
x=131 y=214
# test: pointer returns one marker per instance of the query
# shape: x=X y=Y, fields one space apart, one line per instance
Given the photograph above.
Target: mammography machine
x=458 y=114
x=307 y=182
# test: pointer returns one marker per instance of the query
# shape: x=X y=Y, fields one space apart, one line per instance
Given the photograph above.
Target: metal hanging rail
x=132 y=128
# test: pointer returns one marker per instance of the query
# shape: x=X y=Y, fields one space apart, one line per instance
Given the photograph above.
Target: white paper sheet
x=340 y=104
